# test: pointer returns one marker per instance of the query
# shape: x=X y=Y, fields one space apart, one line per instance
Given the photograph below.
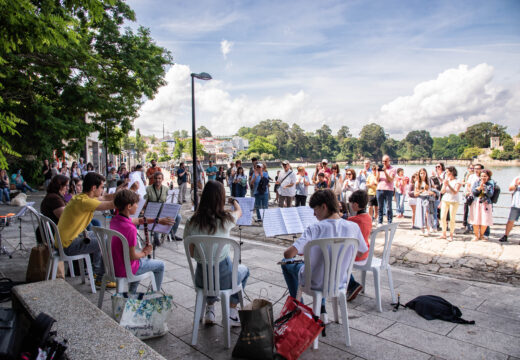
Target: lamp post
x=201 y=76
x=106 y=143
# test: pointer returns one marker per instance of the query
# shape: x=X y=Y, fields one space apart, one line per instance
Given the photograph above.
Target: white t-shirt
x=449 y=196
x=328 y=228
x=515 y=202
x=473 y=178
x=287 y=180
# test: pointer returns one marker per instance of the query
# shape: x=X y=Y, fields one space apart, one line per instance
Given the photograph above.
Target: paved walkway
x=386 y=335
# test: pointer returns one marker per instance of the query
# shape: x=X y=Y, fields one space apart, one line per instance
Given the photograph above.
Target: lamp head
x=202 y=76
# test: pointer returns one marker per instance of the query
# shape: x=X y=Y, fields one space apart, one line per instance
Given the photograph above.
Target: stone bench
x=91 y=334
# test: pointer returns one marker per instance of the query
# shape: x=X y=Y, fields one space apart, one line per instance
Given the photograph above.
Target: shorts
x=372 y=200
x=514 y=214
x=412 y=201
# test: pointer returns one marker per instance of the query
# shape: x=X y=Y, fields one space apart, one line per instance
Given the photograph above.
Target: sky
x=406 y=65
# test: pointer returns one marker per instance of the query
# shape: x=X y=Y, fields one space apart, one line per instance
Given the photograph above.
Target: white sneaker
x=234 y=319
x=209 y=317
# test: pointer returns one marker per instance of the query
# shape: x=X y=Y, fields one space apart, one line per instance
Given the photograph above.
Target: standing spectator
x=75 y=173
x=229 y=178
x=467 y=191
x=182 y=181
x=316 y=172
x=221 y=174
x=423 y=193
x=412 y=199
x=54 y=169
x=110 y=166
x=4 y=187
x=450 y=200
x=152 y=170
x=240 y=183
x=336 y=182
x=65 y=169
x=436 y=181
x=276 y=186
x=514 y=213
x=471 y=180
x=349 y=184
x=371 y=191
x=90 y=168
x=47 y=173
x=302 y=187
x=251 y=172
x=400 y=192
x=211 y=171
x=286 y=180
x=20 y=183
x=385 y=189
x=481 y=209
x=322 y=182
x=81 y=165
x=260 y=186
x=325 y=169
x=363 y=175
x=112 y=178
x=123 y=173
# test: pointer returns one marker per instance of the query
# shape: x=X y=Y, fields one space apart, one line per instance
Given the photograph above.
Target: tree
x=479 y=135
x=343 y=133
x=448 y=147
x=151 y=155
x=471 y=152
x=203 y=132
x=139 y=144
x=153 y=139
x=261 y=146
x=189 y=148
x=163 y=150
x=371 y=138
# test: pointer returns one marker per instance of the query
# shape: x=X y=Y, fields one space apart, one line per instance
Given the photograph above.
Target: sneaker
x=209 y=316
x=234 y=320
x=110 y=284
x=351 y=295
x=176 y=238
x=503 y=238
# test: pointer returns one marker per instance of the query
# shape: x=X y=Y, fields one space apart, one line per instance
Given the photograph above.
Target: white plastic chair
x=209 y=249
x=336 y=249
x=376 y=264
x=105 y=243
x=51 y=233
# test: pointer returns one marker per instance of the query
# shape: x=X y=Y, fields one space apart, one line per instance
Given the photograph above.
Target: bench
x=91 y=334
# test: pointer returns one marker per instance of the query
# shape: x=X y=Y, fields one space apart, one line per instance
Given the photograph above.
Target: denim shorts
x=514 y=214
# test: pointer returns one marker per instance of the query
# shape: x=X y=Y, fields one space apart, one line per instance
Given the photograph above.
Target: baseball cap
x=324 y=161
x=285 y=162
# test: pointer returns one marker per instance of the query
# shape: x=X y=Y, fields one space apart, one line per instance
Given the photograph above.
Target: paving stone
x=170 y=346
x=210 y=342
x=480 y=336
x=326 y=351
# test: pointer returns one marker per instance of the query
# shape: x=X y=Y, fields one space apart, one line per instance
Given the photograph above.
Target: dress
x=481 y=209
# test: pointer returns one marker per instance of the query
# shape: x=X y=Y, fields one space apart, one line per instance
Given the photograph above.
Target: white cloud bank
x=225 y=47
x=456 y=99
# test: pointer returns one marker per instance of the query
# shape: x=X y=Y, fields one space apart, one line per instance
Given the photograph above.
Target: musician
x=330 y=225
x=157 y=192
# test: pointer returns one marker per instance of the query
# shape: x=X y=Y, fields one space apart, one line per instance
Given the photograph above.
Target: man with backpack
x=259 y=186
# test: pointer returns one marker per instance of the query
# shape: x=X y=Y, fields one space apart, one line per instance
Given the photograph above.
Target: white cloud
x=457 y=98
x=225 y=47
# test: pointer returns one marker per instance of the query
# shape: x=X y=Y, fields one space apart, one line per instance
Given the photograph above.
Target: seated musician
x=330 y=225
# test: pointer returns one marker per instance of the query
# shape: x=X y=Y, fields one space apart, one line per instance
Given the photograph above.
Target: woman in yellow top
x=371 y=190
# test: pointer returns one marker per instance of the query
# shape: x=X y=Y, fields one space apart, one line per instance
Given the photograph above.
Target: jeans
x=225 y=270
x=240 y=191
x=384 y=197
x=146 y=265
x=94 y=222
x=291 y=275
x=5 y=195
x=399 y=202
x=435 y=214
x=24 y=187
x=300 y=200
x=78 y=246
x=260 y=203
x=173 y=231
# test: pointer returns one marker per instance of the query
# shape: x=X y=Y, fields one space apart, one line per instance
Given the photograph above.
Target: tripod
x=20 y=246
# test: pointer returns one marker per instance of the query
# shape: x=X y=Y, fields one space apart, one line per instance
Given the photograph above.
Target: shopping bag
x=256 y=336
x=144 y=315
x=37 y=266
x=296 y=329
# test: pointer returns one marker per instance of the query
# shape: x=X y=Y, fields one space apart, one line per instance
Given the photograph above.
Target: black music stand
x=20 y=246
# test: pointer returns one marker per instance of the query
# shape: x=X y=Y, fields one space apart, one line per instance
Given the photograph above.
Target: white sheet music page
x=173 y=196
x=291 y=217
x=273 y=223
x=112 y=190
x=140 y=206
x=168 y=210
x=152 y=210
x=247 y=204
x=306 y=216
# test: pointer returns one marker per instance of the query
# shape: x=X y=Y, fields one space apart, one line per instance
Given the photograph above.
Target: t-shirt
x=287 y=178
x=449 y=196
x=211 y=169
x=156 y=195
x=328 y=228
x=48 y=174
x=76 y=216
x=151 y=171
x=257 y=181
x=515 y=202
x=125 y=226
x=183 y=178
x=383 y=184
x=50 y=203
x=371 y=184
x=301 y=188
x=364 y=222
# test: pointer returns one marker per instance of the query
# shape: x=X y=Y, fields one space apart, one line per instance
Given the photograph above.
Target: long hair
x=211 y=209
x=57 y=183
x=426 y=180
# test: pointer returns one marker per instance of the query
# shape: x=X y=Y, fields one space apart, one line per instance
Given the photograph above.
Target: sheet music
x=273 y=223
x=112 y=190
x=306 y=216
x=173 y=196
x=247 y=204
x=168 y=210
x=140 y=206
x=136 y=177
x=291 y=217
x=152 y=210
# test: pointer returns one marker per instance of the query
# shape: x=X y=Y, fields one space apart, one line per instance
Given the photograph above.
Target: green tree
x=163 y=150
x=139 y=144
x=261 y=146
x=448 y=147
x=203 y=132
x=151 y=155
x=153 y=139
x=471 y=152
x=371 y=138
x=343 y=133
x=189 y=148
x=479 y=135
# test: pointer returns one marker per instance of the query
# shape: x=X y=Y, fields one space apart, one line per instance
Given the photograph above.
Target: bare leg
x=413 y=214
x=476 y=231
x=509 y=227
x=482 y=231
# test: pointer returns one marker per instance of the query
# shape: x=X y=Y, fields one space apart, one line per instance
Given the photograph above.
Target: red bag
x=296 y=329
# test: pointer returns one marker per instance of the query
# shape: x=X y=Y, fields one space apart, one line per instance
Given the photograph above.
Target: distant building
x=240 y=143
x=494 y=143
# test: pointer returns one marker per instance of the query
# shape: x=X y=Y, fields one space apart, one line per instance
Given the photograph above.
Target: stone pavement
x=386 y=335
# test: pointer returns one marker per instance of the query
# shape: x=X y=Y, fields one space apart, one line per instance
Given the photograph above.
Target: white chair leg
x=335 y=309
x=224 y=300
x=90 y=274
x=102 y=292
x=241 y=298
x=196 y=317
x=363 y=279
x=82 y=270
x=54 y=269
x=344 y=316
x=377 y=287
x=71 y=268
x=391 y=284
x=50 y=265
x=316 y=307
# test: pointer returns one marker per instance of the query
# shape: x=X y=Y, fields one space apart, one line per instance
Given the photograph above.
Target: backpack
x=496 y=193
x=262 y=185
x=433 y=307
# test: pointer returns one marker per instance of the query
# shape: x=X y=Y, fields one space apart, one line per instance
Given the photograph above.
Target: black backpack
x=262 y=185
x=496 y=193
x=433 y=307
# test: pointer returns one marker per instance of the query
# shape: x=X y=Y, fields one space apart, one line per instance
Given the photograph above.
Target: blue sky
x=406 y=65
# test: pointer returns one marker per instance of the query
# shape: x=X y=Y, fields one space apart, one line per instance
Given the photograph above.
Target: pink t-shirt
x=386 y=185
x=125 y=226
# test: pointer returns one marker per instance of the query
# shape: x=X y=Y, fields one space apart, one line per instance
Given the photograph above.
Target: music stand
x=3 y=249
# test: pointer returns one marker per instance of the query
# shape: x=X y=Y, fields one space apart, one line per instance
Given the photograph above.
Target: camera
x=380 y=167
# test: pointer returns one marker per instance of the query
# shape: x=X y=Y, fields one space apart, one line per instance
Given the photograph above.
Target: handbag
x=296 y=329
x=37 y=266
x=256 y=339
x=144 y=315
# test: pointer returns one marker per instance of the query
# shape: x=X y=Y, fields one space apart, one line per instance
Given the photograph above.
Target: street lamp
x=106 y=143
x=201 y=76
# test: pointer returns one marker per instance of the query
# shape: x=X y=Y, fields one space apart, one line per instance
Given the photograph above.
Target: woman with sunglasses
x=336 y=181
x=349 y=184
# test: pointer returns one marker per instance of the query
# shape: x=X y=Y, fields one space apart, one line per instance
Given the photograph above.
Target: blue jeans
x=225 y=270
x=384 y=197
x=261 y=203
x=5 y=195
x=94 y=222
x=435 y=214
x=399 y=203
x=146 y=265
x=24 y=187
x=240 y=191
x=291 y=275
x=78 y=246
